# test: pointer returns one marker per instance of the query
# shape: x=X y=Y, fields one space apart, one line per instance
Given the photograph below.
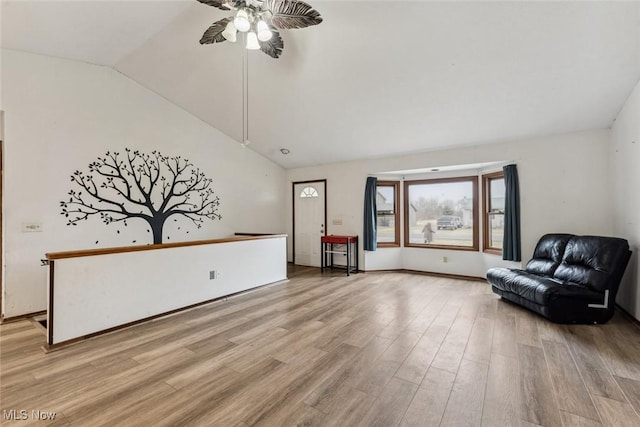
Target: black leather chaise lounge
x=571 y=279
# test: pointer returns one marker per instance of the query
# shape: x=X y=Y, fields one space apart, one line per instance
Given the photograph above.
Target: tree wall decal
x=150 y=187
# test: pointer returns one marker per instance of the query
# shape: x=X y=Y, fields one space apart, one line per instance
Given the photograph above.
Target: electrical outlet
x=445 y=259
x=31 y=227
x=212 y=275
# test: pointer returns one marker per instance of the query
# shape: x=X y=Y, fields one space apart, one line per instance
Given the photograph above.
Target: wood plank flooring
x=371 y=349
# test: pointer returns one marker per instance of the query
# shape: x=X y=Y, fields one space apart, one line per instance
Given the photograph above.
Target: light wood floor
x=376 y=349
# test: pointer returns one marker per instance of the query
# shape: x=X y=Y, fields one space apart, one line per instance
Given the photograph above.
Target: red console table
x=327 y=251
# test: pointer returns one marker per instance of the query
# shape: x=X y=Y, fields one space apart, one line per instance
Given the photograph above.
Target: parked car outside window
x=449 y=222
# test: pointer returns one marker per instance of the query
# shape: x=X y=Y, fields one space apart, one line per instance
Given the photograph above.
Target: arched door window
x=308 y=192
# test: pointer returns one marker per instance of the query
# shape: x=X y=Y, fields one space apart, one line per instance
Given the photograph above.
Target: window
x=493 y=211
x=441 y=213
x=388 y=206
x=308 y=192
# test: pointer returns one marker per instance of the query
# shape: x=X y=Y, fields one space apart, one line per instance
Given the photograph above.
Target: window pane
x=496 y=230
x=308 y=192
x=386 y=228
x=441 y=213
x=385 y=204
x=493 y=215
x=385 y=198
x=496 y=188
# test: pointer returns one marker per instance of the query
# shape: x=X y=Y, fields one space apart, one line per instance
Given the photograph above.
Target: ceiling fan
x=260 y=20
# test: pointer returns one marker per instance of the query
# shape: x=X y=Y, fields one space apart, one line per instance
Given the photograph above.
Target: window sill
x=493 y=251
x=388 y=245
x=450 y=248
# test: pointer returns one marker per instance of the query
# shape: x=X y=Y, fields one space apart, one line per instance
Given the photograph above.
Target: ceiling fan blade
x=273 y=47
x=290 y=14
x=219 y=4
x=214 y=32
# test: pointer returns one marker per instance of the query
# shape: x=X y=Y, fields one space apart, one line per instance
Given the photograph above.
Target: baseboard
x=629 y=316
x=448 y=275
x=22 y=317
x=430 y=273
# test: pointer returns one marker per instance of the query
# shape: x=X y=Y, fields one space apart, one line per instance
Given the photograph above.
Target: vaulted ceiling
x=374 y=79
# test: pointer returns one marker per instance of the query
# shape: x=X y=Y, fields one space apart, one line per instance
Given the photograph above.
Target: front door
x=309 y=221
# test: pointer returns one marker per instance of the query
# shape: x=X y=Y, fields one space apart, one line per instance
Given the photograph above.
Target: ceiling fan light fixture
x=241 y=21
x=265 y=18
x=229 y=32
x=264 y=33
x=252 y=41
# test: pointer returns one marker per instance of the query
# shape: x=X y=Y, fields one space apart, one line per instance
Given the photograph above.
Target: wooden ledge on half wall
x=122 y=249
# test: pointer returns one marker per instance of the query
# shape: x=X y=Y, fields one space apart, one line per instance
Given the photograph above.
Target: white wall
x=564 y=186
x=92 y=294
x=625 y=167
x=59 y=116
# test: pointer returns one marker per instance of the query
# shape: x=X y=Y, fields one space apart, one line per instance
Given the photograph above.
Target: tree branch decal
x=151 y=187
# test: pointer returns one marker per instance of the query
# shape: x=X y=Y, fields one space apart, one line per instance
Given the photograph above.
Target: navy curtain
x=370 y=217
x=511 y=241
